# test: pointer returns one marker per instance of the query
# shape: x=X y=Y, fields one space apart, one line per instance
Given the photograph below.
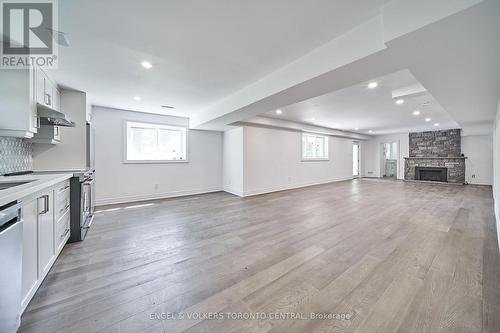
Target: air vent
x=167 y=107
x=426 y=103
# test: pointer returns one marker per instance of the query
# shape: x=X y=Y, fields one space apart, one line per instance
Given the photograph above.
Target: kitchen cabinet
x=39 y=86
x=18 y=111
x=46 y=250
x=61 y=215
x=30 y=249
x=45 y=232
x=47 y=94
x=22 y=91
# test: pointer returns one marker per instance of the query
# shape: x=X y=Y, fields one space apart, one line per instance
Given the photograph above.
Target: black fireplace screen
x=431 y=173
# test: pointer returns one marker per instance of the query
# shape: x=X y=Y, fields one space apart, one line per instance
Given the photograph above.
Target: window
x=154 y=142
x=314 y=147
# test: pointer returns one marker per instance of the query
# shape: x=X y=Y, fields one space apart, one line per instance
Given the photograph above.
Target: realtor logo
x=27 y=34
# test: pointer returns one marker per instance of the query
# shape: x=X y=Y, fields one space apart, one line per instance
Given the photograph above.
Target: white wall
x=232 y=161
x=273 y=161
x=373 y=154
x=496 y=169
x=119 y=182
x=479 y=163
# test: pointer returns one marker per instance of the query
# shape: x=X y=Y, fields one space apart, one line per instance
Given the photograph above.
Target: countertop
x=36 y=183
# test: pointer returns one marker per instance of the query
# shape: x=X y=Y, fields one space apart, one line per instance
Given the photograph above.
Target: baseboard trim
x=291 y=187
x=155 y=196
x=237 y=193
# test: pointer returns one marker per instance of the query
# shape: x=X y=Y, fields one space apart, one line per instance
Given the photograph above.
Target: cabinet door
x=34 y=114
x=46 y=250
x=40 y=86
x=56 y=99
x=49 y=93
x=30 y=250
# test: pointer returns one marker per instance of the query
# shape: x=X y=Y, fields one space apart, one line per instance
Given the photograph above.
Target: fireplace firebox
x=435 y=174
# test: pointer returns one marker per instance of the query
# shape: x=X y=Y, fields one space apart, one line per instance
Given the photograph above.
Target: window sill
x=155 y=162
x=315 y=159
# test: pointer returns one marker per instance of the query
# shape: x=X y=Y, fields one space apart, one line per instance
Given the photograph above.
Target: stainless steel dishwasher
x=11 y=251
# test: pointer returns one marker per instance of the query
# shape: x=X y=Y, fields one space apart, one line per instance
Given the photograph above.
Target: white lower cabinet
x=46 y=251
x=30 y=249
x=45 y=232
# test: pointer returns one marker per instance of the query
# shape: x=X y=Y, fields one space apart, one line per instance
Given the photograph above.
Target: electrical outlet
x=157 y=186
x=289 y=179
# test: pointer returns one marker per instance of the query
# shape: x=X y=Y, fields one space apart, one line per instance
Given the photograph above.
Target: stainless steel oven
x=87 y=201
x=82 y=205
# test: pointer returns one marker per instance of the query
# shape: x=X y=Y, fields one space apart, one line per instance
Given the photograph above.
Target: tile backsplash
x=15 y=155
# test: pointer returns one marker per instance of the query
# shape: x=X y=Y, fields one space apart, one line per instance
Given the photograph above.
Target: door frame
x=356 y=143
x=382 y=158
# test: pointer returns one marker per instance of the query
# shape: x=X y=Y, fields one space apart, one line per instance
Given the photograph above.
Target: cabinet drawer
x=61 y=231
x=62 y=202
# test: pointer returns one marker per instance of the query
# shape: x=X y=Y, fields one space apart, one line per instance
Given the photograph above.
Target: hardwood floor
x=390 y=255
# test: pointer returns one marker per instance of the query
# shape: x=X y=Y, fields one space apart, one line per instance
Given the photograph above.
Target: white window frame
x=326 y=156
x=157 y=125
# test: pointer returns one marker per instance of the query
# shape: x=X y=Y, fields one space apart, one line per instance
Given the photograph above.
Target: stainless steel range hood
x=53 y=117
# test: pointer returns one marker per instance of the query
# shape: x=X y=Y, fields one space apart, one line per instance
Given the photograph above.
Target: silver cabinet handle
x=64 y=208
x=48 y=99
x=65 y=233
x=9 y=213
x=45 y=198
x=63 y=188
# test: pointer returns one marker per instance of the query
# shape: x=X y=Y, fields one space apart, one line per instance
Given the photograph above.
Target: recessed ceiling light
x=436 y=124
x=279 y=111
x=146 y=64
x=400 y=101
x=416 y=113
x=372 y=85
x=370 y=131
x=428 y=119
x=313 y=119
x=356 y=128
x=137 y=98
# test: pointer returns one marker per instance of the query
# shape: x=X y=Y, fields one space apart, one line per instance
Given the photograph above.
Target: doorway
x=389 y=166
x=355 y=159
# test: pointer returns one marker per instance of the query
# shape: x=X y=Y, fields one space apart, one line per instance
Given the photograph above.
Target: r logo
x=27 y=27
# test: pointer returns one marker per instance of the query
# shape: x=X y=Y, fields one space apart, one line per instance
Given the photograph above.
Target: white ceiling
x=201 y=51
x=370 y=109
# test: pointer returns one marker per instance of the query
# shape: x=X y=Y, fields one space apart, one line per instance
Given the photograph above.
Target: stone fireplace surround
x=436 y=149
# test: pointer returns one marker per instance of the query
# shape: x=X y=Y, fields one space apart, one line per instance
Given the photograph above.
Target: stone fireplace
x=435 y=156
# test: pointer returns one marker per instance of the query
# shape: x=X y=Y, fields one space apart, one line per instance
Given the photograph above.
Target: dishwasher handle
x=9 y=213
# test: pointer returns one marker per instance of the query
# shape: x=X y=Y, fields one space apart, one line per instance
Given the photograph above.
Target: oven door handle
x=90 y=222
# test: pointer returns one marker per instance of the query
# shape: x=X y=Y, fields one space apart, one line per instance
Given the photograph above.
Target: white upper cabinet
x=18 y=113
x=47 y=93
x=21 y=92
